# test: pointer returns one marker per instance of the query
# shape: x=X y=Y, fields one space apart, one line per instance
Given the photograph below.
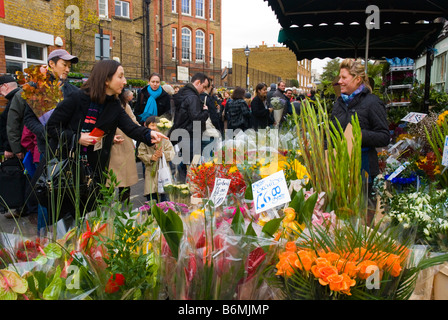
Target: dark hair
x=238 y=93
x=101 y=72
x=258 y=88
x=156 y=75
x=151 y=119
x=201 y=77
x=54 y=59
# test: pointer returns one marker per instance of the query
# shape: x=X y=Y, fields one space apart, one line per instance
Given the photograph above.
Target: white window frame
x=188 y=2
x=200 y=46
x=121 y=3
x=186 y=54
x=211 y=46
x=104 y=4
x=174 y=6
x=174 y=43
x=210 y=11
x=200 y=9
x=26 y=62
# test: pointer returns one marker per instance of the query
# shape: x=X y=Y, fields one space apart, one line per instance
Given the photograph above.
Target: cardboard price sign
x=414 y=117
x=270 y=192
x=219 y=192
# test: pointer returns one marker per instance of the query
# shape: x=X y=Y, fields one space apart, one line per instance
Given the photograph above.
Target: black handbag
x=65 y=177
x=12 y=184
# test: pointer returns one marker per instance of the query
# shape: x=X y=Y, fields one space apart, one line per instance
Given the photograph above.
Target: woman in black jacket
x=96 y=106
x=261 y=111
x=237 y=112
x=356 y=98
x=152 y=100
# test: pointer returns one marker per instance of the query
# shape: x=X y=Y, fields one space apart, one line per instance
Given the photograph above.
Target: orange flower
x=364 y=272
x=323 y=272
x=286 y=263
x=393 y=265
x=290 y=214
x=291 y=246
x=347 y=266
x=341 y=283
x=330 y=256
x=305 y=260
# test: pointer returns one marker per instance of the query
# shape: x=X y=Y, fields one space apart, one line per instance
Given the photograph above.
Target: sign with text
x=445 y=153
x=219 y=192
x=398 y=171
x=414 y=117
x=270 y=192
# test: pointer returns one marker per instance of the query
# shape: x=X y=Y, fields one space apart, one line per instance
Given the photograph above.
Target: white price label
x=398 y=171
x=445 y=153
x=270 y=192
x=414 y=117
x=219 y=192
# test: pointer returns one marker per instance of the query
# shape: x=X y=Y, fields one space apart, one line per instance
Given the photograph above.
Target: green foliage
x=136 y=83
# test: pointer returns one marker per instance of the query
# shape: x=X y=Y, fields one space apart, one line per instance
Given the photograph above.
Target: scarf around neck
x=348 y=98
x=151 y=104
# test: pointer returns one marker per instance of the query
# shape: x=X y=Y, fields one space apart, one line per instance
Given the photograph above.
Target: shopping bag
x=164 y=175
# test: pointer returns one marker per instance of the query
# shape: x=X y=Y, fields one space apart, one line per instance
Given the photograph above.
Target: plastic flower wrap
x=39 y=91
x=214 y=256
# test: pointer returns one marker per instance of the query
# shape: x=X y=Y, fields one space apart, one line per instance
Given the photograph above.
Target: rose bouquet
x=164 y=125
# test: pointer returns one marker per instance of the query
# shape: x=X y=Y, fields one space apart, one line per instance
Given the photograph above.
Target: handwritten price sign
x=219 y=192
x=270 y=192
x=414 y=117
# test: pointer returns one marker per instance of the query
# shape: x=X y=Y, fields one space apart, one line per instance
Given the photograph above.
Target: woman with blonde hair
x=357 y=98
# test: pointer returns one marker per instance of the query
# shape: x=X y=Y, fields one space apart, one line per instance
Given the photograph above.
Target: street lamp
x=247 y=52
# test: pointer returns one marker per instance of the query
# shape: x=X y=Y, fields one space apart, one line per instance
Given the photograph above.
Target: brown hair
x=101 y=72
x=258 y=88
x=356 y=69
x=238 y=93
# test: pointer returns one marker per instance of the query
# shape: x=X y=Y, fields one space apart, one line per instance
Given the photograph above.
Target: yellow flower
x=233 y=169
x=197 y=214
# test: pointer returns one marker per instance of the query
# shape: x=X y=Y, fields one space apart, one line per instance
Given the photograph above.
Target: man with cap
x=20 y=114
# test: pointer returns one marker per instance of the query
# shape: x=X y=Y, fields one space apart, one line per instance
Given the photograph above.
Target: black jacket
x=163 y=103
x=188 y=108
x=238 y=115
x=372 y=117
x=260 y=114
x=68 y=118
x=35 y=126
x=212 y=110
x=4 y=143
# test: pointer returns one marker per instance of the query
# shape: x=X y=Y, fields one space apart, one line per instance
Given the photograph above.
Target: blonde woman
x=357 y=98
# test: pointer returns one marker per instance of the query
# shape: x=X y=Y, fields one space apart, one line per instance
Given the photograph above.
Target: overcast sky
x=250 y=22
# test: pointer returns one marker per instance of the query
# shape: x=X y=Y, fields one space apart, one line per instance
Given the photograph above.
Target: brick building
x=269 y=65
x=26 y=37
x=187 y=38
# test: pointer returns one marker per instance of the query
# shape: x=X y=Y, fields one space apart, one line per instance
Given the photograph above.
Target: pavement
x=28 y=225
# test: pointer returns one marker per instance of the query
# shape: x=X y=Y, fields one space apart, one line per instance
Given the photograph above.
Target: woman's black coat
x=372 y=117
x=163 y=103
x=69 y=115
x=260 y=114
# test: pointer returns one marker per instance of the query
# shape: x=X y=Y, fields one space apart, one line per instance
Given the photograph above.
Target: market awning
x=316 y=12
x=402 y=40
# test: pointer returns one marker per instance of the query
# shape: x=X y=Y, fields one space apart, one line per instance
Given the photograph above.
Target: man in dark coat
x=189 y=110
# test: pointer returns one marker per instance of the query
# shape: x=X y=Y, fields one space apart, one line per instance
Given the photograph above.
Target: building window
x=186 y=7
x=122 y=9
x=102 y=9
x=200 y=9
x=199 y=45
x=21 y=55
x=173 y=43
x=210 y=13
x=173 y=6
x=186 y=43
x=210 y=51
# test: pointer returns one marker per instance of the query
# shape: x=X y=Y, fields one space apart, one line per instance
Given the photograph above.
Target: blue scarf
x=348 y=98
x=151 y=104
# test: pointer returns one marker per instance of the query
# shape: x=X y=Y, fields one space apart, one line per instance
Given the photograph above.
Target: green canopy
x=350 y=40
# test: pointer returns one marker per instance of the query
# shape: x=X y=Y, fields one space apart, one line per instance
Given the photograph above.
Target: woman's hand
x=87 y=140
x=270 y=110
x=118 y=139
x=156 y=136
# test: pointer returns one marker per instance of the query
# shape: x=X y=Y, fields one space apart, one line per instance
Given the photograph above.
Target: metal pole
x=247 y=73
x=148 y=42
x=429 y=59
x=101 y=41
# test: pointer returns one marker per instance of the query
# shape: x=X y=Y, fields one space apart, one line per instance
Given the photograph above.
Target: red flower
x=113 y=285
x=254 y=260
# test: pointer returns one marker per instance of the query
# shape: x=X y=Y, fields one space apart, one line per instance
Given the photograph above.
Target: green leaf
x=54 y=289
x=53 y=251
x=250 y=230
x=238 y=222
x=271 y=227
x=171 y=226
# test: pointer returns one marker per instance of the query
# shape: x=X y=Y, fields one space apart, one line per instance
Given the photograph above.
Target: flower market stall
x=286 y=219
